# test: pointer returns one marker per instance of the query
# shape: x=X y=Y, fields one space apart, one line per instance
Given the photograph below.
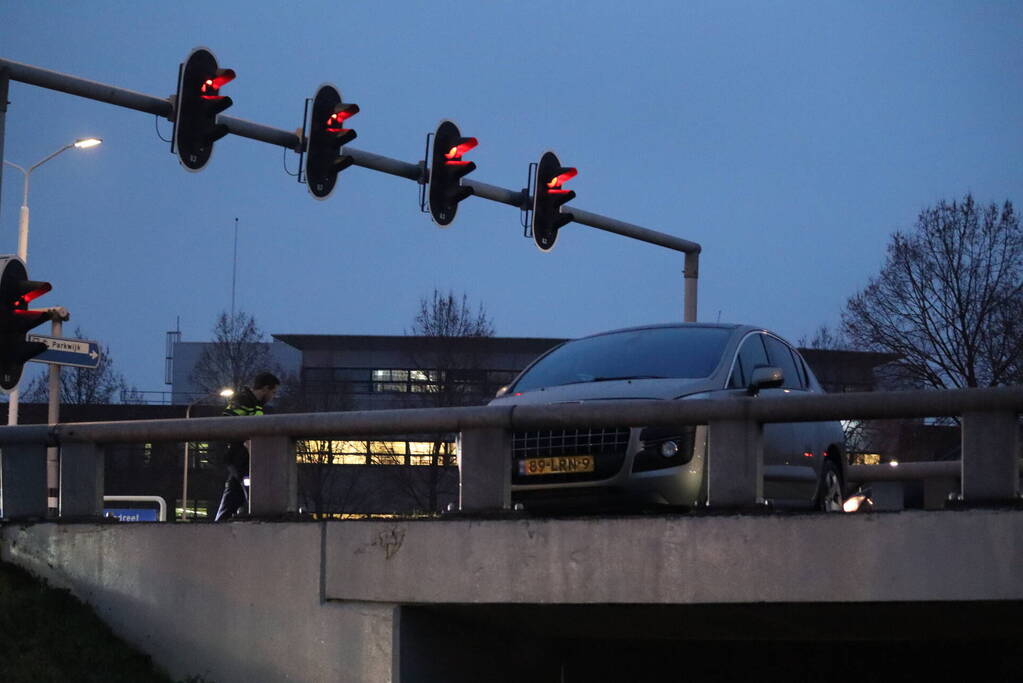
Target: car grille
x=607 y=446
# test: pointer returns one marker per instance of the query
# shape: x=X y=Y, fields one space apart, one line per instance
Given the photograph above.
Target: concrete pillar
x=273 y=474
x=990 y=458
x=23 y=481
x=735 y=462
x=81 y=480
x=484 y=470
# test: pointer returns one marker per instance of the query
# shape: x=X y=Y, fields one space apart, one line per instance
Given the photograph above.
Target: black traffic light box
x=327 y=134
x=196 y=107
x=16 y=290
x=447 y=170
x=548 y=197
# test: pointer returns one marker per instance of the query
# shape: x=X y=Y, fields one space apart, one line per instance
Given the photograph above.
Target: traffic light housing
x=16 y=290
x=196 y=107
x=446 y=172
x=548 y=197
x=327 y=134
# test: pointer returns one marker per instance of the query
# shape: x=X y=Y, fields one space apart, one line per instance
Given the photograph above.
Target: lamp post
x=84 y=143
x=223 y=393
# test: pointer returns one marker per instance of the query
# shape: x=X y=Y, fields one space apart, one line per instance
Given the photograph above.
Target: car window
x=751 y=354
x=781 y=356
x=676 y=352
x=801 y=365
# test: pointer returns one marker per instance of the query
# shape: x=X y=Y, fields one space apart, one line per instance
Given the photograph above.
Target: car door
x=793 y=475
x=777 y=437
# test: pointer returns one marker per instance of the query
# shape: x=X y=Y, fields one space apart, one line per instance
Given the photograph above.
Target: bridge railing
x=988 y=471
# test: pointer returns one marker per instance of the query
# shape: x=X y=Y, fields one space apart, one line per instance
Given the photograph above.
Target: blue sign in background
x=133 y=514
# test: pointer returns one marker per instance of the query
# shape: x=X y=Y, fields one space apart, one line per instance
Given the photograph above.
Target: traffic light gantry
x=16 y=291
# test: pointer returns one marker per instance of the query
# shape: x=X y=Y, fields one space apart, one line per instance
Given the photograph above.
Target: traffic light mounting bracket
x=526 y=209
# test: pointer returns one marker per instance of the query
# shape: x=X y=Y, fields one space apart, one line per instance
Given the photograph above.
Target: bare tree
x=449 y=373
x=949 y=299
x=825 y=339
x=82 y=386
x=238 y=352
x=323 y=485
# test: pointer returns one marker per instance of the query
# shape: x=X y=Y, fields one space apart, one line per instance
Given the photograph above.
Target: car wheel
x=829 y=491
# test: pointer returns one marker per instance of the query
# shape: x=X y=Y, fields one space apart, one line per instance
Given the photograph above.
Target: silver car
x=804 y=462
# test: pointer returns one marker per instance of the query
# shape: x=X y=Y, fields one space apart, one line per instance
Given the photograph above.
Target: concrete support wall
x=233 y=602
x=251 y=601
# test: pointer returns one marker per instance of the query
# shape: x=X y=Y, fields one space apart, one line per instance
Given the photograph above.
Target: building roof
x=338 y=342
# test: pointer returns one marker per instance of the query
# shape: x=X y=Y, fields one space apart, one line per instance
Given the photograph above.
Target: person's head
x=264 y=386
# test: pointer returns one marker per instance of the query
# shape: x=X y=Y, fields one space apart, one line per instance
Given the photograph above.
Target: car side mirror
x=765 y=377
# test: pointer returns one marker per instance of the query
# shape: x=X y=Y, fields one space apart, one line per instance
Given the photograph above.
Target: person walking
x=244 y=403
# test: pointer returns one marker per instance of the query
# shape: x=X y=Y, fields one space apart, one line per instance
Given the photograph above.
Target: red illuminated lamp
x=211 y=86
x=39 y=288
x=454 y=155
x=558 y=180
x=335 y=123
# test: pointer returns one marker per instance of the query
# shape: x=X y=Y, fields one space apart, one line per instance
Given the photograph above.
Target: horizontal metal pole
x=905 y=471
x=257 y=131
x=809 y=408
x=519 y=199
x=376 y=162
x=661 y=239
x=54 y=80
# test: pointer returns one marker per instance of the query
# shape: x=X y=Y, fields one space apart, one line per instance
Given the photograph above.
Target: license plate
x=568 y=464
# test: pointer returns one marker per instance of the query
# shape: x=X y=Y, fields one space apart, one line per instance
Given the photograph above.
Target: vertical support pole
x=990 y=462
x=5 y=79
x=691 y=275
x=23 y=481
x=273 y=476
x=81 y=480
x=484 y=470
x=52 y=418
x=735 y=462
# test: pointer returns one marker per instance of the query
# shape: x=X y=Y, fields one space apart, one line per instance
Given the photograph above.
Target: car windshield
x=676 y=352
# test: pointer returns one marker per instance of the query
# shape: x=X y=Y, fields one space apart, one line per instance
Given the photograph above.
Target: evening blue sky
x=789 y=139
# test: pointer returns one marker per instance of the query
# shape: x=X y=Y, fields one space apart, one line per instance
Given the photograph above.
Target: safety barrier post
x=81 y=480
x=735 y=463
x=23 y=480
x=990 y=457
x=484 y=470
x=273 y=474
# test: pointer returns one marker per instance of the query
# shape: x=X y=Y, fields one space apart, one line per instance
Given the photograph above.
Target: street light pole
x=223 y=393
x=84 y=143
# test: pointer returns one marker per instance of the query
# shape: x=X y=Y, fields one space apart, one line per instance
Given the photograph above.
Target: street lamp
x=223 y=393
x=83 y=143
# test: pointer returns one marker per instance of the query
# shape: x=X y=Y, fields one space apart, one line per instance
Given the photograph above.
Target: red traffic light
x=342 y=112
x=34 y=289
x=566 y=174
x=453 y=157
x=211 y=86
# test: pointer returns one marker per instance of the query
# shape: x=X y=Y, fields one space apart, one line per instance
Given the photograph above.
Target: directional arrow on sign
x=80 y=353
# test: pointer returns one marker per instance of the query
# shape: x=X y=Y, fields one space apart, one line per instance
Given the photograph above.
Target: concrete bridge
x=505 y=599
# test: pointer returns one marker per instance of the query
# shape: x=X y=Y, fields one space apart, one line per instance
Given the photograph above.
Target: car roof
x=655 y=326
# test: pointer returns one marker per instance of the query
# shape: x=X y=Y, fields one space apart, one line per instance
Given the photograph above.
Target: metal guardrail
x=989 y=469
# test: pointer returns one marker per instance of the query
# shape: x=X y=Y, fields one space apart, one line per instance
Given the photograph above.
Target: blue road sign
x=133 y=514
x=80 y=353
